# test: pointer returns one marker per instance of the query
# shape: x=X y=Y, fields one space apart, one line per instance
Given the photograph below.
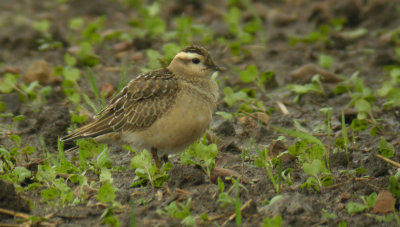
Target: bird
x=163 y=111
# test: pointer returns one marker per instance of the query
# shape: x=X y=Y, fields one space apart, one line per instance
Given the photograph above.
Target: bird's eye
x=196 y=60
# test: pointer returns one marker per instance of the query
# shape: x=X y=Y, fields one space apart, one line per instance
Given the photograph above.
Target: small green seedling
x=368 y=203
x=394 y=184
x=224 y=198
x=180 y=211
x=325 y=61
x=310 y=152
x=264 y=161
x=386 y=149
x=201 y=154
x=314 y=87
x=275 y=221
x=146 y=171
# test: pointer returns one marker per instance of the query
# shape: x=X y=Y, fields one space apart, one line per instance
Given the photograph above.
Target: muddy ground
x=367 y=53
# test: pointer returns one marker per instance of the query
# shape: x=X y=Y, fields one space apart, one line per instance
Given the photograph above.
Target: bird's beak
x=218 y=68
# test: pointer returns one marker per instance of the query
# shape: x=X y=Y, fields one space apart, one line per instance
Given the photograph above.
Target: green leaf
x=18 y=118
x=363 y=107
x=325 y=61
x=8 y=82
x=105 y=175
x=46 y=173
x=273 y=222
x=221 y=185
x=235 y=48
x=106 y=193
x=359 y=125
x=314 y=168
x=71 y=73
x=371 y=200
x=231 y=97
x=42 y=26
x=155 y=26
x=394 y=186
x=253 y=26
x=385 y=218
x=385 y=149
x=50 y=194
x=225 y=198
x=311 y=182
x=69 y=60
x=326 y=215
x=108 y=218
x=224 y=115
x=233 y=19
x=76 y=23
x=22 y=173
x=304 y=89
x=303 y=135
x=249 y=75
x=103 y=159
x=170 y=51
x=2 y=107
x=141 y=160
x=352 y=207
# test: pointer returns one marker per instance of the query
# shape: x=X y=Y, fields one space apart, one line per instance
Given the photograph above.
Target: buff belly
x=182 y=125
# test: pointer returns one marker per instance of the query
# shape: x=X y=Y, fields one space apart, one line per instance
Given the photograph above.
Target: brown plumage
x=164 y=110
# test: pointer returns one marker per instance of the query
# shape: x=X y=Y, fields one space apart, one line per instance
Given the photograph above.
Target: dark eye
x=196 y=60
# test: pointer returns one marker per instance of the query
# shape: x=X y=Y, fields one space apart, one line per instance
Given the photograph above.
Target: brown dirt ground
x=282 y=19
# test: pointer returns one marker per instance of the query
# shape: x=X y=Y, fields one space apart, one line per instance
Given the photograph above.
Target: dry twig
x=396 y=164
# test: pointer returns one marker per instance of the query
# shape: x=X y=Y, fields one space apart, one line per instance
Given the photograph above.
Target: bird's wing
x=140 y=103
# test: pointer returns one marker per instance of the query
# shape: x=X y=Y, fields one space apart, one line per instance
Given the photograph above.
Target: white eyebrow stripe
x=188 y=55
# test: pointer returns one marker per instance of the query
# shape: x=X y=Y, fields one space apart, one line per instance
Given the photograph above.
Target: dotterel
x=163 y=111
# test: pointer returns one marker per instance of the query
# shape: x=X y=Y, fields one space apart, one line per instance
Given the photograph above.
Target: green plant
x=322 y=34
x=8 y=82
x=368 y=203
x=345 y=137
x=362 y=97
x=314 y=87
x=326 y=215
x=325 y=61
x=394 y=184
x=386 y=149
x=179 y=211
x=107 y=196
x=264 y=161
x=201 y=153
x=224 y=198
x=275 y=221
x=252 y=75
x=145 y=171
x=310 y=152
x=328 y=112
x=389 y=88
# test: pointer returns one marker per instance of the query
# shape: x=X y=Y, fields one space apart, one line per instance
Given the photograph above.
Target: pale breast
x=183 y=124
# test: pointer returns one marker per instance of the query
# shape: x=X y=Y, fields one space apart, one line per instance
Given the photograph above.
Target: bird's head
x=193 y=62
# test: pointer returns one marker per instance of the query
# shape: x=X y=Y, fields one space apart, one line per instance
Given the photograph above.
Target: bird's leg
x=164 y=158
x=155 y=157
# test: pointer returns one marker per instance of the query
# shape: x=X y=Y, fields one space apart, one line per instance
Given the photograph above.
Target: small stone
x=223 y=173
x=40 y=71
x=306 y=72
x=122 y=46
x=11 y=69
x=138 y=56
x=263 y=117
x=107 y=89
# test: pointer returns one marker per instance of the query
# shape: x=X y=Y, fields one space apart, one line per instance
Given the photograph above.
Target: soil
x=297 y=206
